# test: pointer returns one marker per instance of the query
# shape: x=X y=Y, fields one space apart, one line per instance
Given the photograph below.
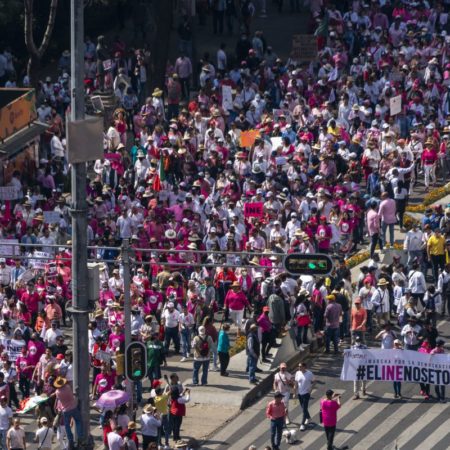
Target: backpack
x=204 y=347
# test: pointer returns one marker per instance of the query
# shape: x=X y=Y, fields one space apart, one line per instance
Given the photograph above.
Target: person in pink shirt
x=373 y=227
x=236 y=301
x=429 y=158
x=387 y=212
x=265 y=324
x=329 y=407
x=67 y=404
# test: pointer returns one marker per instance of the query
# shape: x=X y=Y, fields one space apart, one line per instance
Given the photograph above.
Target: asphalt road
x=375 y=422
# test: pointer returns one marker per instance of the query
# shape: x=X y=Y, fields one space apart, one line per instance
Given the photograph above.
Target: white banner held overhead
x=9 y=193
x=395 y=104
x=227 y=98
x=396 y=365
x=7 y=247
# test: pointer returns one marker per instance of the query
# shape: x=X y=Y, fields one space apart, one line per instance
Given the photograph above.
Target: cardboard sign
x=13 y=347
x=248 y=137
x=304 y=47
x=101 y=355
x=52 y=217
x=227 y=98
x=254 y=209
x=9 y=193
x=40 y=263
x=7 y=247
x=395 y=105
x=276 y=142
x=26 y=276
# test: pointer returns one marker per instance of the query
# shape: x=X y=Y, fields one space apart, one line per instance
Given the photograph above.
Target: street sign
x=304 y=264
x=135 y=361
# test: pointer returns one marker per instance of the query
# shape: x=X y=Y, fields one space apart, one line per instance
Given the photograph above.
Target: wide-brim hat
x=235 y=284
x=59 y=382
x=170 y=234
x=157 y=92
x=382 y=282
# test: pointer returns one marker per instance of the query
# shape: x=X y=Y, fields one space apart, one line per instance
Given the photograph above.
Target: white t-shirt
x=171 y=319
x=304 y=382
x=5 y=416
x=282 y=382
x=44 y=436
x=115 y=441
x=16 y=437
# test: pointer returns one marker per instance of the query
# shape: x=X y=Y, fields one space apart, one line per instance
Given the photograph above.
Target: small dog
x=289 y=435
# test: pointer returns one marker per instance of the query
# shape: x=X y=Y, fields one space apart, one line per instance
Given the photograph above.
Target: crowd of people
x=331 y=168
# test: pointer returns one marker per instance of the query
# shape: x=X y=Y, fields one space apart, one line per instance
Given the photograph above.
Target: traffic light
x=303 y=264
x=135 y=361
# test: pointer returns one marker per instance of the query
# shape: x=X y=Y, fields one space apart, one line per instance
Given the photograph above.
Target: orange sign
x=18 y=112
x=248 y=138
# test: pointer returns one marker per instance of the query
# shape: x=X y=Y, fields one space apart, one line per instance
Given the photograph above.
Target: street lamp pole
x=79 y=230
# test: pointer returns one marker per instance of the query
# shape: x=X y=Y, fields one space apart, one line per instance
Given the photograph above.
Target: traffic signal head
x=135 y=361
x=308 y=264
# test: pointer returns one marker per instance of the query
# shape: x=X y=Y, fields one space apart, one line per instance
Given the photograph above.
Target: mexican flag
x=160 y=177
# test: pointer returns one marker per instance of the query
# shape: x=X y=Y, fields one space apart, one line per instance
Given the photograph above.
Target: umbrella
x=31 y=403
x=112 y=399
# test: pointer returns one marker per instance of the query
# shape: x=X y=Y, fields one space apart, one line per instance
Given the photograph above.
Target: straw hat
x=157 y=92
x=382 y=282
x=148 y=409
x=59 y=382
x=170 y=234
x=235 y=284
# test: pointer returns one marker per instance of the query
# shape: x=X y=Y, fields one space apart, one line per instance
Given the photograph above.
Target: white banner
x=227 y=98
x=395 y=104
x=396 y=365
x=9 y=193
x=52 y=217
x=13 y=347
x=7 y=249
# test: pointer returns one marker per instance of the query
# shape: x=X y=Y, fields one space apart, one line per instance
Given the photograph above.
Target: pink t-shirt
x=329 y=412
x=66 y=398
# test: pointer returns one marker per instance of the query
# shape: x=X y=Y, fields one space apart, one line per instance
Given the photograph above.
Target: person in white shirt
x=44 y=435
x=115 y=440
x=417 y=283
x=124 y=224
x=222 y=59
x=171 y=319
x=116 y=283
x=186 y=324
x=283 y=382
x=52 y=334
x=305 y=381
x=414 y=244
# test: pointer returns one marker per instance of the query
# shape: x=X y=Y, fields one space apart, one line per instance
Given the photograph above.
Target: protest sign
x=41 y=262
x=304 y=47
x=396 y=365
x=52 y=217
x=254 y=209
x=7 y=247
x=395 y=104
x=227 y=97
x=248 y=137
x=276 y=142
x=13 y=347
x=9 y=193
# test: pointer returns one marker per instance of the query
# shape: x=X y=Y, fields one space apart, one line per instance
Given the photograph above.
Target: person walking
x=387 y=212
x=436 y=253
x=223 y=348
x=398 y=384
x=253 y=349
x=283 y=382
x=6 y=416
x=329 y=407
x=439 y=390
x=276 y=412
x=358 y=321
x=44 y=435
x=332 y=315
x=359 y=385
x=373 y=228
x=202 y=346
x=305 y=381
x=15 y=438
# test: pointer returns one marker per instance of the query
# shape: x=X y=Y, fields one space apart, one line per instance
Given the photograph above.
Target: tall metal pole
x=79 y=228
x=127 y=309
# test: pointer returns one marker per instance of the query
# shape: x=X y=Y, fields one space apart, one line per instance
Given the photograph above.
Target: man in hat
x=381 y=302
x=150 y=422
x=203 y=347
x=283 y=382
x=67 y=404
x=44 y=435
x=276 y=412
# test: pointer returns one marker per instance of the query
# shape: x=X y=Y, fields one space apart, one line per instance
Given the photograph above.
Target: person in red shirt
x=31 y=299
x=236 y=301
x=429 y=158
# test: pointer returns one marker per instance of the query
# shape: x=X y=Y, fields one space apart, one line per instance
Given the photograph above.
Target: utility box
x=93 y=282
